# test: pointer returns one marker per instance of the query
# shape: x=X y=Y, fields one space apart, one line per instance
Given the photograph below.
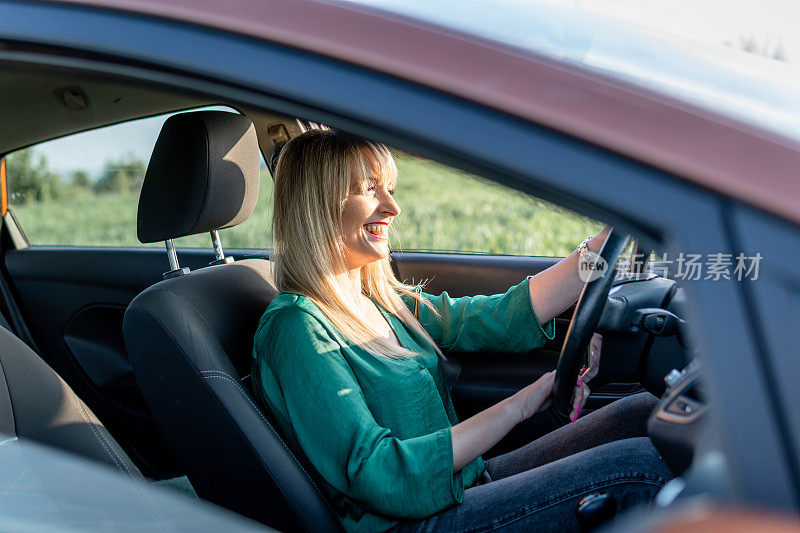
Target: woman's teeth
x=379 y=230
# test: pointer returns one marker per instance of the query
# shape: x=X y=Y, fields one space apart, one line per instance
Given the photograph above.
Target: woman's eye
x=391 y=192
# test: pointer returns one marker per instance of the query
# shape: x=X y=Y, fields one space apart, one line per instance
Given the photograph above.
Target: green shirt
x=377 y=430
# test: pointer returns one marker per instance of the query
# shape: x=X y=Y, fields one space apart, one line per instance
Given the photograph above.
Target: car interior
x=139 y=357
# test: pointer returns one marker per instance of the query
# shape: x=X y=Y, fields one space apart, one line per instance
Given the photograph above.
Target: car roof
x=704 y=146
x=740 y=84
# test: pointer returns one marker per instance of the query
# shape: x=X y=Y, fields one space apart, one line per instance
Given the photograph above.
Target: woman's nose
x=389 y=205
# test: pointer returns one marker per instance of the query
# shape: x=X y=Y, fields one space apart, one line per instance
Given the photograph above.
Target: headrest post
x=218 y=252
x=175 y=269
x=217 y=244
x=172 y=255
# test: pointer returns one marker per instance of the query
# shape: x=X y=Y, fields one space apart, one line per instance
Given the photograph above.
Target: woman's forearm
x=553 y=290
x=477 y=434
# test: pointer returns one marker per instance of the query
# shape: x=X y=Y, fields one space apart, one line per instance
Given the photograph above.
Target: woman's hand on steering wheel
x=538 y=396
x=535 y=397
x=582 y=392
x=581 y=329
x=593 y=357
x=582 y=389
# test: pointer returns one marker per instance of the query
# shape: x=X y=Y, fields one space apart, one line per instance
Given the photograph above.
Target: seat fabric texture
x=190 y=341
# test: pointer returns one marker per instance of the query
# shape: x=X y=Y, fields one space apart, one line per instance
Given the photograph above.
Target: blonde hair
x=315 y=172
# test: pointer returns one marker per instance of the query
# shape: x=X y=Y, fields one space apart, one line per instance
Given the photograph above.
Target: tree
x=123 y=175
x=764 y=48
x=80 y=179
x=30 y=178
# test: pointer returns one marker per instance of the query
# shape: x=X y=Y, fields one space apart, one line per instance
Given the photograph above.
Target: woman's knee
x=637 y=405
x=628 y=416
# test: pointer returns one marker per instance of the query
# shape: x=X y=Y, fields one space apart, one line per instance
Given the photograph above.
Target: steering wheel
x=584 y=322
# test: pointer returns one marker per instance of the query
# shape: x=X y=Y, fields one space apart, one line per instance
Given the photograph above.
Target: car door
x=540 y=132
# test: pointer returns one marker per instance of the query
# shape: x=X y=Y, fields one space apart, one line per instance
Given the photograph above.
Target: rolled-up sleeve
x=501 y=322
x=334 y=426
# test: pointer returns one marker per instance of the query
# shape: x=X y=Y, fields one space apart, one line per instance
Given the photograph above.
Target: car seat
x=190 y=336
x=36 y=404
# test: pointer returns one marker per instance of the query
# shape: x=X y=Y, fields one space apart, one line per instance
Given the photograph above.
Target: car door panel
x=73 y=300
x=467 y=274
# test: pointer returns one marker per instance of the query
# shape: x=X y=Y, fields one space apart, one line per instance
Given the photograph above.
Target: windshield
x=761 y=88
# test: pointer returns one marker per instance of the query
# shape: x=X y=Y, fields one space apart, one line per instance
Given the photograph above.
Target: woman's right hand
x=477 y=434
x=536 y=396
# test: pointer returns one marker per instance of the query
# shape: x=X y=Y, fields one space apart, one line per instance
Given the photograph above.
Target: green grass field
x=442 y=209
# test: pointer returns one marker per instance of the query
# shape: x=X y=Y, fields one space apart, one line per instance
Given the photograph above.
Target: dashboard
x=644 y=338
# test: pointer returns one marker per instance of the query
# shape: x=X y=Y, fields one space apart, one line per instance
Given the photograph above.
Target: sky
x=714 y=22
x=89 y=151
x=769 y=24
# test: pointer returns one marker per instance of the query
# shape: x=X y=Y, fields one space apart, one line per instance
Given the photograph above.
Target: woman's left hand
x=582 y=390
x=593 y=356
x=579 y=398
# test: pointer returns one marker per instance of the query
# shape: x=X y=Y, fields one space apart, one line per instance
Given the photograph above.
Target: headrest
x=203 y=175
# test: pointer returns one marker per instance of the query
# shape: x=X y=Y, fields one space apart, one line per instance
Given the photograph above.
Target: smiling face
x=368 y=210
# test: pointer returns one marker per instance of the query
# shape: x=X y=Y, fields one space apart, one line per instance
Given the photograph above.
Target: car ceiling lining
x=52 y=102
x=46 y=105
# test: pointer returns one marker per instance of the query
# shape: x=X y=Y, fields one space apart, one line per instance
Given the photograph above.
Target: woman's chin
x=377 y=246
x=366 y=257
x=381 y=252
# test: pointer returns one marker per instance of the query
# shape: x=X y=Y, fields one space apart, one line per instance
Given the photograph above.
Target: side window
x=446 y=210
x=83 y=189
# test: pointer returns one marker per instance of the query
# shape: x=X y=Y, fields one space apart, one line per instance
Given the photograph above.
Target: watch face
x=591 y=266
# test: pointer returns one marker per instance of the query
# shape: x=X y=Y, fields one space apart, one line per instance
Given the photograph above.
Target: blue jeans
x=537 y=487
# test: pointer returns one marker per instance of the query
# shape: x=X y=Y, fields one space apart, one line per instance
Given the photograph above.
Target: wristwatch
x=583 y=249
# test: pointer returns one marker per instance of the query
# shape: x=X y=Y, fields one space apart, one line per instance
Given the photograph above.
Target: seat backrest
x=36 y=404
x=190 y=341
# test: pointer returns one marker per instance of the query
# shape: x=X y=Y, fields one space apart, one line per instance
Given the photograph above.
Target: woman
x=349 y=360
